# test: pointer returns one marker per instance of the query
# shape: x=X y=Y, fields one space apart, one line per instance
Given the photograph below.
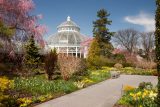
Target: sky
x=136 y=14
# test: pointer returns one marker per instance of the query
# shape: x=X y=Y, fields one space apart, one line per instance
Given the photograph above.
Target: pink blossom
x=40 y=30
x=1 y=2
x=26 y=5
x=16 y=13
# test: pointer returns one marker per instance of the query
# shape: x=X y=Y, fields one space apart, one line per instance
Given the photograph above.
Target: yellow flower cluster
x=128 y=88
x=79 y=84
x=136 y=96
x=24 y=102
x=152 y=95
x=5 y=83
x=143 y=94
x=42 y=98
x=86 y=80
x=45 y=97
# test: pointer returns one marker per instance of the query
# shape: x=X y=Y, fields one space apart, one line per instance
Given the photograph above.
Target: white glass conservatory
x=68 y=39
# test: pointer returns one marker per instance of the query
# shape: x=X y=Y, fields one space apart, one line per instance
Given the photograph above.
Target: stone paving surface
x=104 y=94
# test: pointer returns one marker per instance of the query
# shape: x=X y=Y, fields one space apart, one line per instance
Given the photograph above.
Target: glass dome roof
x=68 y=34
x=66 y=38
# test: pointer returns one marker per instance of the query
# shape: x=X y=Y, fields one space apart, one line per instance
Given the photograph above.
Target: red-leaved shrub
x=51 y=63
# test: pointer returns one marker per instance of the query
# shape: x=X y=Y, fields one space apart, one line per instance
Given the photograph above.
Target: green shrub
x=120 y=58
x=145 y=85
x=125 y=64
x=9 y=102
x=110 y=64
x=93 y=59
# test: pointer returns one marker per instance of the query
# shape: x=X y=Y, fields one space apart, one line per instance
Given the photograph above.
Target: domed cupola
x=68 y=25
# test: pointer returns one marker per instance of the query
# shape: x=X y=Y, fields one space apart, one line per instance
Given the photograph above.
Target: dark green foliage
x=51 y=63
x=5 y=32
x=120 y=58
x=5 y=35
x=157 y=43
x=9 y=102
x=125 y=64
x=101 y=32
x=32 y=56
x=110 y=64
x=145 y=85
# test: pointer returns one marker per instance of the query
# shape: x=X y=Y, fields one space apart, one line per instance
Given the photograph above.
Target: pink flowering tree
x=16 y=15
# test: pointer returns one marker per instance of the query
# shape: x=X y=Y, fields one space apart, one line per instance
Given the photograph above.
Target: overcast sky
x=137 y=14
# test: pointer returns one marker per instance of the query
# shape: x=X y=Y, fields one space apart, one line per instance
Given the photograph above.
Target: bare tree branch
x=127 y=38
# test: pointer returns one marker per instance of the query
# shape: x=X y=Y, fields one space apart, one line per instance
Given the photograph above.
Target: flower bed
x=138 y=71
x=33 y=90
x=143 y=96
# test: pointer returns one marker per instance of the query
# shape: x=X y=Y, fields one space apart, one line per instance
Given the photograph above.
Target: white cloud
x=143 y=19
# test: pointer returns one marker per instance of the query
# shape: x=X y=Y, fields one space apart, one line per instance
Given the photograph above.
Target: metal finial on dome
x=68 y=18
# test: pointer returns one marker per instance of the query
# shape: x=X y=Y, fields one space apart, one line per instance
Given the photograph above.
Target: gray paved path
x=104 y=94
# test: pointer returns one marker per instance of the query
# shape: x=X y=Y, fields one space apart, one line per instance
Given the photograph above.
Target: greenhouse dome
x=68 y=39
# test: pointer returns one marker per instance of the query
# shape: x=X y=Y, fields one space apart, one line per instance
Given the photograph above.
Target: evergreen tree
x=32 y=56
x=100 y=45
x=157 y=43
x=101 y=32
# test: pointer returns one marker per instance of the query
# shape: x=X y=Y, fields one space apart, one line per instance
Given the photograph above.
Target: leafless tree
x=127 y=38
x=147 y=40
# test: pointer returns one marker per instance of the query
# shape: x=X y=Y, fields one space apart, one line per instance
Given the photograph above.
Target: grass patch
x=40 y=85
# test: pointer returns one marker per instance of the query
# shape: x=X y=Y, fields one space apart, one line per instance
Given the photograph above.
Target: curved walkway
x=104 y=94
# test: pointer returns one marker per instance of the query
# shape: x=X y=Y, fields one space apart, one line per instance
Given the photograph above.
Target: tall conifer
x=101 y=32
x=32 y=56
